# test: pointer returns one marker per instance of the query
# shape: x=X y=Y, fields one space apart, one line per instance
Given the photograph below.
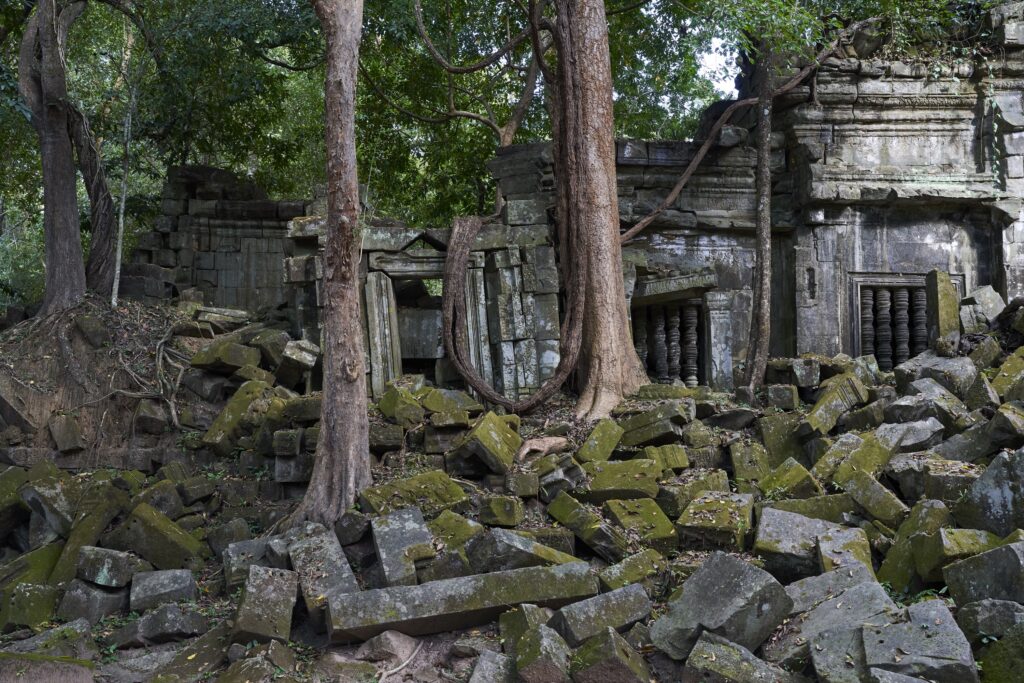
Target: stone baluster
x=901 y=326
x=883 y=328
x=672 y=339
x=919 y=329
x=660 y=350
x=867 y=321
x=690 y=345
x=640 y=333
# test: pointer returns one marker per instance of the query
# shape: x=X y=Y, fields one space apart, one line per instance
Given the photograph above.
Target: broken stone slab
x=672 y=458
x=618 y=609
x=997 y=574
x=749 y=465
x=995 y=501
x=163 y=497
x=514 y=623
x=225 y=357
x=601 y=441
x=401 y=538
x=54 y=498
x=166 y=624
x=84 y=600
x=927 y=516
x=715 y=658
x=299 y=357
x=493 y=667
x=608 y=657
x=204 y=654
x=809 y=592
x=455 y=603
x=879 y=502
x=321 y=566
x=787 y=542
x=502 y=550
x=936 y=401
x=676 y=493
x=910 y=437
x=839 y=451
x=556 y=473
x=32 y=605
x=790 y=480
x=638 y=568
x=659 y=426
x=16 y=667
x=151 y=589
x=621 y=480
x=107 y=567
x=66 y=434
x=837 y=655
x=490 y=446
x=726 y=596
x=644 y=519
x=944 y=309
x=843 y=394
x=990 y=301
x=928 y=645
x=717 y=518
x=841 y=549
x=156 y=539
x=224 y=535
x=221 y=435
x=862 y=604
x=504 y=511
x=988 y=618
x=97 y=507
x=834 y=507
x=603 y=538
x=265 y=610
x=542 y=656
x=779 y=434
x=432 y=492
x=238 y=557
x=934 y=551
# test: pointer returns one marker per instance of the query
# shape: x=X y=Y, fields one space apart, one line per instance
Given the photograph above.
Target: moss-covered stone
x=601 y=441
x=604 y=539
x=640 y=567
x=879 y=502
x=505 y=511
x=1011 y=370
x=898 y=569
x=204 y=654
x=790 y=480
x=514 y=624
x=644 y=519
x=658 y=426
x=934 y=551
x=431 y=492
x=671 y=458
x=1003 y=661
x=561 y=539
x=100 y=504
x=779 y=435
x=401 y=407
x=869 y=457
x=844 y=392
x=676 y=493
x=490 y=445
x=718 y=519
x=150 y=534
x=608 y=657
x=453 y=530
x=637 y=478
x=835 y=507
x=32 y=567
x=943 y=309
x=749 y=465
x=225 y=356
x=32 y=605
x=838 y=549
x=222 y=434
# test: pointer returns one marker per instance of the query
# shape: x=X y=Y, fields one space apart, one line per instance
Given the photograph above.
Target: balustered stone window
x=670 y=340
x=891 y=316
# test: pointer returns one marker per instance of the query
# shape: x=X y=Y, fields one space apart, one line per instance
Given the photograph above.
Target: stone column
x=660 y=350
x=690 y=348
x=901 y=329
x=672 y=338
x=719 y=336
x=883 y=328
x=639 y=318
x=919 y=333
x=867 y=321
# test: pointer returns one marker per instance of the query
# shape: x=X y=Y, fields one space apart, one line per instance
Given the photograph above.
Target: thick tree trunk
x=761 y=322
x=342 y=456
x=609 y=368
x=99 y=268
x=43 y=84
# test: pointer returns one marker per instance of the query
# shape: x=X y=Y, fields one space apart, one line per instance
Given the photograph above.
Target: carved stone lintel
x=883 y=328
x=867 y=321
x=690 y=345
x=672 y=339
x=919 y=327
x=901 y=326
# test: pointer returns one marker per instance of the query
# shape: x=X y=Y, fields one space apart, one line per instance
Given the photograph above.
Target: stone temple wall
x=218 y=234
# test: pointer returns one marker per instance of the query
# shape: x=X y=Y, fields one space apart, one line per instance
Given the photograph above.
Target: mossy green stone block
x=504 y=511
x=13 y=510
x=589 y=527
x=221 y=435
x=843 y=393
x=643 y=518
x=717 y=519
x=672 y=457
x=156 y=539
x=432 y=492
x=491 y=441
x=32 y=567
x=839 y=549
x=898 y=569
x=869 y=457
x=749 y=465
x=608 y=657
x=98 y=509
x=637 y=568
x=636 y=478
x=1009 y=372
x=192 y=663
x=401 y=407
x=943 y=307
x=825 y=467
x=514 y=624
x=32 y=605
x=790 y=480
x=879 y=502
x=934 y=551
x=453 y=529
x=834 y=507
x=698 y=435
x=779 y=435
x=225 y=356
x=601 y=441
x=676 y=493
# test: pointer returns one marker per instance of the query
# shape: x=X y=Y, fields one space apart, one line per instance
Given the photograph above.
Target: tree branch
x=709 y=142
x=455 y=69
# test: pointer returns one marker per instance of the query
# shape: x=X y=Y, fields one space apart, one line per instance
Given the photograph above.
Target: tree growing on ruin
x=342 y=466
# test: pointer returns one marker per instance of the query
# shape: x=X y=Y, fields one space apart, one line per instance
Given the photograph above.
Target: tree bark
x=342 y=466
x=588 y=212
x=99 y=268
x=761 y=322
x=43 y=84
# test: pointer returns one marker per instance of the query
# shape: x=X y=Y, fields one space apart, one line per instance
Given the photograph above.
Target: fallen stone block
x=618 y=609
x=66 y=434
x=603 y=538
x=224 y=535
x=98 y=506
x=237 y=559
x=504 y=511
x=834 y=507
x=454 y=603
x=621 y=480
x=166 y=624
x=862 y=604
x=298 y=357
x=988 y=619
x=556 y=473
x=225 y=357
x=676 y=493
x=878 y=501
x=927 y=516
x=152 y=589
x=1004 y=659
x=490 y=446
x=727 y=597
x=86 y=601
x=156 y=539
x=837 y=655
x=997 y=574
x=779 y=432
x=841 y=549
x=401 y=539
x=18 y=667
x=193 y=662
x=934 y=551
x=787 y=542
x=658 y=426
x=502 y=550
x=995 y=501
x=928 y=645
x=110 y=568
x=265 y=610
x=222 y=434
x=749 y=465
x=717 y=518
x=32 y=605
x=321 y=566
x=638 y=568
x=717 y=659
x=542 y=657
x=431 y=491
x=910 y=437
x=644 y=519
x=493 y=667
x=790 y=480
x=601 y=441
x=608 y=657
x=514 y=623
x=55 y=499
x=810 y=592
x=843 y=394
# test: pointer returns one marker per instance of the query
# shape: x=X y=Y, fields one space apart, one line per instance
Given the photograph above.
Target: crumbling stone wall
x=219 y=234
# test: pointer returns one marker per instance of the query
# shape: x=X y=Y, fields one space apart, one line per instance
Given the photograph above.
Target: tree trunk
x=342 y=466
x=588 y=212
x=761 y=323
x=99 y=268
x=123 y=200
x=43 y=84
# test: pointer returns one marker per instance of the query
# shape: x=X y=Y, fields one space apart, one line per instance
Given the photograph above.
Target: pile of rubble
x=848 y=524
